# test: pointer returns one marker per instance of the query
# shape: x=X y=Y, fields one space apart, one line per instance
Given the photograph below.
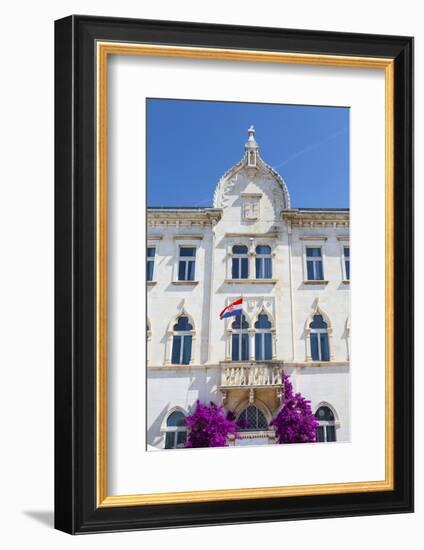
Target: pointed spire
x=251 y=142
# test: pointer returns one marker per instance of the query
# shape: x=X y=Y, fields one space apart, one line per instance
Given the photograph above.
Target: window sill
x=192 y=283
x=151 y=283
x=315 y=282
x=250 y=281
x=346 y=282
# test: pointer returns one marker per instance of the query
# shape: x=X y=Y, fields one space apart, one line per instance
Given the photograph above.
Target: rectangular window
x=240 y=347
x=151 y=251
x=319 y=346
x=186 y=264
x=314 y=267
x=181 y=349
x=346 y=256
x=240 y=268
x=263 y=346
x=263 y=262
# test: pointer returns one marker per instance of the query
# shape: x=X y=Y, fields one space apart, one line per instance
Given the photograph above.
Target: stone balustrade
x=250 y=375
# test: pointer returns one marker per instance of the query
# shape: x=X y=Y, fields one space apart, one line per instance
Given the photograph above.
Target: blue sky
x=191 y=144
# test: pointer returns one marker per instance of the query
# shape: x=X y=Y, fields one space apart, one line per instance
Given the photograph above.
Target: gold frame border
x=104 y=49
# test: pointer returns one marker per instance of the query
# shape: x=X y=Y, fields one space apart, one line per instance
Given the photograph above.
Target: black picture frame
x=76 y=510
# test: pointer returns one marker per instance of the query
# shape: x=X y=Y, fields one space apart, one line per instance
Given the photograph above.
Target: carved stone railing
x=250 y=375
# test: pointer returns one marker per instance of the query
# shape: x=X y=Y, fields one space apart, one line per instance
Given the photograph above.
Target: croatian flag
x=235 y=308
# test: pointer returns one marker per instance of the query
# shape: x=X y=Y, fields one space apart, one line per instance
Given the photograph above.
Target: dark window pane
x=263 y=321
x=324 y=414
x=235 y=269
x=347 y=269
x=244 y=347
x=182 y=271
x=346 y=252
x=186 y=350
x=325 y=355
x=235 y=347
x=310 y=270
x=268 y=268
x=319 y=271
x=263 y=249
x=259 y=268
x=314 y=347
x=318 y=322
x=190 y=271
x=150 y=266
x=258 y=347
x=268 y=347
x=331 y=433
x=244 y=268
x=239 y=249
x=175 y=419
x=176 y=349
x=170 y=440
x=183 y=324
x=181 y=438
x=320 y=434
x=187 y=252
x=151 y=252
x=240 y=323
x=313 y=252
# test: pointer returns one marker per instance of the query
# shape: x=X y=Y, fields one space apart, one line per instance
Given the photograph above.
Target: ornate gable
x=252 y=178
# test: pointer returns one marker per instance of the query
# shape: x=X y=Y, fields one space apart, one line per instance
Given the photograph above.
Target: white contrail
x=310 y=148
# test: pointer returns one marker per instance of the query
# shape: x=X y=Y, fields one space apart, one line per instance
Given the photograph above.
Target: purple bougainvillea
x=208 y=427
x=295 y=423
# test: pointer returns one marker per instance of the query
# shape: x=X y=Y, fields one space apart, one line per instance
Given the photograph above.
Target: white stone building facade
x=292 y=268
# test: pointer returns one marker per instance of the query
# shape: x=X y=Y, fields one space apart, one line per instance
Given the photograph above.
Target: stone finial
x=251 y=142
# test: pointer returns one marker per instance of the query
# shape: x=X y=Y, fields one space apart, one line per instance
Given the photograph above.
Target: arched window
x=263 y=338
x=326 y=430
x=240 y=263
x=263 y=262
x=181 y=342
x=240 y=339
x=252 y=158
x=320 y=350
x=251 y=418
x=175 y=431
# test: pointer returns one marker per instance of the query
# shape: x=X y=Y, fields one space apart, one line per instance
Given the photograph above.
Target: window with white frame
x=240 y=339
x=263 y=262
x=263 y=338
x=252 y=419
x=320 y=349
x=186 y=263
x=346 y=261
x=175 y=431
x=314 y=267
x=182 y=341
x=326 y=430
x=151 y=252
x=240 y=262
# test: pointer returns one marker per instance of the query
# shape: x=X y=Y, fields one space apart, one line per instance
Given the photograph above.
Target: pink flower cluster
x=295 y=423
x=208 y=427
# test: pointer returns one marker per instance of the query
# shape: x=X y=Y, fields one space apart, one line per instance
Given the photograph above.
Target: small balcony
x=253 y=375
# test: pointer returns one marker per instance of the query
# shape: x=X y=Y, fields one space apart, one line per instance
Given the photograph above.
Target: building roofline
x=211 y=208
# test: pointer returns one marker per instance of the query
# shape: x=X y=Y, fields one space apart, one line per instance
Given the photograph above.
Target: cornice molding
x=316 y=219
